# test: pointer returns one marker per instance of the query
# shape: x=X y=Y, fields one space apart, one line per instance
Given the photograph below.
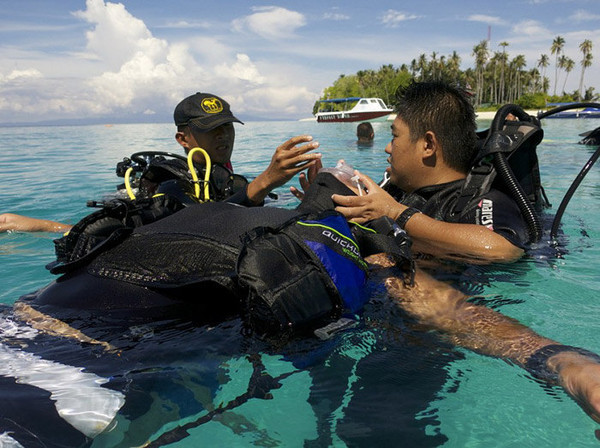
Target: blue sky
x=136 y=59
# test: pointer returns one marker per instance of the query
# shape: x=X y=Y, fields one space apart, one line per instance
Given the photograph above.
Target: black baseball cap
x=204 y=111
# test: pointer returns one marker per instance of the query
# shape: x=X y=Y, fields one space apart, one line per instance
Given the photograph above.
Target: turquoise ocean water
x=367 y=386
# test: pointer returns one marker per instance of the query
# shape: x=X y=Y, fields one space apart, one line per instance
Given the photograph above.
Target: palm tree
x=492 y=70
x=543 y=62
x=433 y=65
x=454 y=66
x=480 y=51
x=533 y=77
x=503 y=45
x=567 y=64
x=422 y=64
x=586 y=62
x=413 y=68
x=519 y=62
x=557 y=46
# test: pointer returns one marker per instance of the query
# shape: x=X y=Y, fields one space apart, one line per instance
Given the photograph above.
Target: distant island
x=496 y=79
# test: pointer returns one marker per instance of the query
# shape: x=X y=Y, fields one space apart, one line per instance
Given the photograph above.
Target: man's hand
x=374 y=204
x=287 y=161
x=307 y=179
x=580 y=376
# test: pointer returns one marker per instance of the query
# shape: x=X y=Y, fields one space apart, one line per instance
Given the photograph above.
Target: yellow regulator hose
x=128 y=184
x=195 y=175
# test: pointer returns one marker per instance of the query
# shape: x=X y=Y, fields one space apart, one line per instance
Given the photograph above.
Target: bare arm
x=445 y=309
x=11 y=221
x=288 y=160
x=467 y=242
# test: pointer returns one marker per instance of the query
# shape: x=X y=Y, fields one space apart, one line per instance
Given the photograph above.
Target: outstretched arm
x=288 y=160
x=488 y=332
x=11 y=221
x=466 y=242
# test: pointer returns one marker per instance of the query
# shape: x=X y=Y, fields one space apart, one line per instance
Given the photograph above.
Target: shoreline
x=483 y=115
x=489 y=115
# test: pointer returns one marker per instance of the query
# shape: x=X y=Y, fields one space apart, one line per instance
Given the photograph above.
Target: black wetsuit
x=495 y=210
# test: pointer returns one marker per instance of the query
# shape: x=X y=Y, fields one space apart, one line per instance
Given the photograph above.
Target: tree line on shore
x=495 y=79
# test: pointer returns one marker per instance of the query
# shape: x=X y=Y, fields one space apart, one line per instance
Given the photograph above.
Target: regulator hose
x=571 y=191
x=195 y=175
x=534 y=226
x=586 y=168
x=128 y=183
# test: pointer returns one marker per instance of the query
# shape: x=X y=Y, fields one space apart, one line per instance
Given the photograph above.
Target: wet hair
x=364 y=130
x=445 y=111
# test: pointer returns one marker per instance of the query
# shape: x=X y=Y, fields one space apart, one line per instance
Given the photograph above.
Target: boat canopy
x=341 y=100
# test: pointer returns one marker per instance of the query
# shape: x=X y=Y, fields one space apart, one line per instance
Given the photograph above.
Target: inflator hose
x=503 y=169
x=565 y=201
x=571 y=191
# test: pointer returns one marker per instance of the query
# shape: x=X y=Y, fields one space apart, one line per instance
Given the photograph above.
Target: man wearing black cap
x=205 y=120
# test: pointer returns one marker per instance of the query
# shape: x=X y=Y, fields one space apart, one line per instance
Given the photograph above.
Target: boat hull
x=343 y=117
x=577 y=114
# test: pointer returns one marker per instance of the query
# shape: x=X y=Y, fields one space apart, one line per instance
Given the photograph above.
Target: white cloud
x=185 y=24
x=117 y=35
x=285 y=100
x=583 y=16
x=335 y=15
x=158 y=74
x=243 y=69
x=529 y=30
x=393 y=18
x=271 y=22
x=136 y=73
x=20 y=75
x=492 y=20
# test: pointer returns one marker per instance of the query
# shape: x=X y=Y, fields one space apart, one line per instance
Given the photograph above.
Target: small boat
x=365 y=109
x=588 y=112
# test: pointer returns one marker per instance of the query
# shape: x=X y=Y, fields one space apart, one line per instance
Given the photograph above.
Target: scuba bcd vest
x=309 y=271
x=163 y=186
x=507 y=161
x=290 y=270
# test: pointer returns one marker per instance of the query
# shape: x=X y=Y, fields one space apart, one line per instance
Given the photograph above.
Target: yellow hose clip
x=195 y=175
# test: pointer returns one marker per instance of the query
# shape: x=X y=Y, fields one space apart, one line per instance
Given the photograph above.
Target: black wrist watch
x=405 y=216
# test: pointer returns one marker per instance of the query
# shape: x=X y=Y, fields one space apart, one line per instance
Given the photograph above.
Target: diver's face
x=218 y=143
x=404 y=157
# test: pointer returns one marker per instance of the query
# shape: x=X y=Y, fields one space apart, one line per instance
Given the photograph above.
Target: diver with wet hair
x=431 y=155
x=365 y=134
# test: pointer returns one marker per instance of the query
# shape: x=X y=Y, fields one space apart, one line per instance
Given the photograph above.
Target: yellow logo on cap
x=212 y=105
